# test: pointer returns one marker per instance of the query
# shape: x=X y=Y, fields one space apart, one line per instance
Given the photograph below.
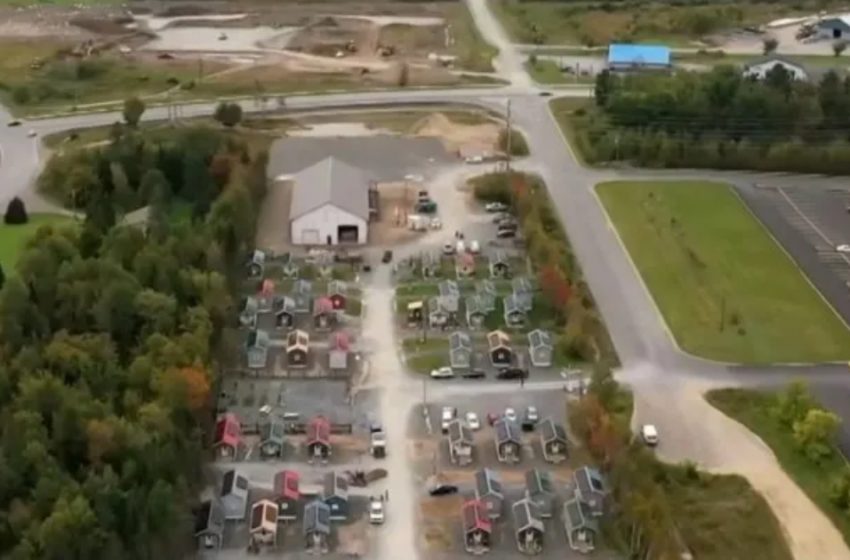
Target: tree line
x=110 y=336
x=721 y=119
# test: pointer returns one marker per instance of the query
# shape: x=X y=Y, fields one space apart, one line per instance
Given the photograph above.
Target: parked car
x=388 y=256
x=472 y=421
x=444 y=372
x=501 y=217
x=474 y=159
x=649 y=434
x=510 y=414
x=448 y=414
x=443 y=490
x=545 y=94
x=461 y=247
x=474 y=373
x=32 y=134
x=15 y=123
x=512 y=373
x=495 y=207
x=530 y=419
x=448 y=248
x=504 y=233
x=376 y=511
x=474 y=247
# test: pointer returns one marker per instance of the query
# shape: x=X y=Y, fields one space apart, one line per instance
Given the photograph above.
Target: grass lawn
x=546 y=71
x=567 y=111
x=14 y=238
x=754 y=410
x=433 y=344
x=424 y=363
x=721 y=517
x=708 y=262
x=717 y=58
x=473 y=52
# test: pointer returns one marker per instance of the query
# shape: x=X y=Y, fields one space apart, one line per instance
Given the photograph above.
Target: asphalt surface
x=668 y=384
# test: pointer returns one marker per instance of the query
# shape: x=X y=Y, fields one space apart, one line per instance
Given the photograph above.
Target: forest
x=111 y=338
x=720 y=119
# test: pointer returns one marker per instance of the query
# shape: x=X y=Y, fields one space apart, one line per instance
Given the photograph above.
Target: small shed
x=340 y=347
x=581 y=527
x=317 y=526
x=476 y=311
x=486 y=292
x=324 y=315
x=460 y=350
x=302 y=294
x=477 y=527
x=449 y=295
x=257 y=349
x=319 y=438
x=488 y=490
x=248 y=313
x=335 y=495
x=415 y=312
x=297 y=348
x=272 y=437
x=263 y=526
x=338 y=294
x=553 y=441
x=460 y=442
x=234 y=495
x=287 y=494
x=591 y=490
x=266 y=296
x=228 y=436
x=257 y=264
x=438 y=313
x=209 y=524
x=528 y=527
x=500 y=266
x=515 y=315
x=835 y=27
x=540 y=348
x=540 y=490
x=465 y=265
x=499 y=348
x=284 y=312
x=508 y=440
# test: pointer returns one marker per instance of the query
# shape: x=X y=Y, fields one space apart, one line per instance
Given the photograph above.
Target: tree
x=133 y=110
x=815 y=433
x=769 y=45
x=839 y=489
x=228 y=114
x=532 y=60
x=839 y=47
x=603 y=88
x=403 y=75
x=794 y=403
x=16 y=212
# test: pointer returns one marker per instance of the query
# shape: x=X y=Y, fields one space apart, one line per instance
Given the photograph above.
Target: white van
x=461 y=247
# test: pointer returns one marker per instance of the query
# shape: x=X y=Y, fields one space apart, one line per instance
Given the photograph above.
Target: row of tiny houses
x=299 y=301
x=501 y=353
x=580 y=511
x=507 y=441
x=228 y=443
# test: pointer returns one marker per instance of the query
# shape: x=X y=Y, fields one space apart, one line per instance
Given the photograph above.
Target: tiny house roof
x=228 y=431
x=488 y=483
x=475 y=517
x=341 y=341
x=319 y=430
x=286 y=485
x=498 y=339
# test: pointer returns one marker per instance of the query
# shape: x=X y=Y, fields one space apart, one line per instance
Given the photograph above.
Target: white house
x=330 y=204
x=760 y=67
x=834 y=27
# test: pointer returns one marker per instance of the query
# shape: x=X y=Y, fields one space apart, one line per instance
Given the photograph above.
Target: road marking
x=814 y=227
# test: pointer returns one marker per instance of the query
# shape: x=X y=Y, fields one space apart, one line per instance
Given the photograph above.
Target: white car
x=32 y=134
x=843 y=248
x=460 y=247
x=510 y=414
x=448 y=414
x=449 y=248
x=474 y=159
x=474 y=247
x=376 y=511
x=442 y=373
x=495 y=207
x=472 y=421
x=649 y=434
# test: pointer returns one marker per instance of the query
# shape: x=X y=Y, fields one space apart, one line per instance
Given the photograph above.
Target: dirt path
x=693 y=430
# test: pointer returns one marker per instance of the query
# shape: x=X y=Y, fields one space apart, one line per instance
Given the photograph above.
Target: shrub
x=518 y=147
x=16 y=212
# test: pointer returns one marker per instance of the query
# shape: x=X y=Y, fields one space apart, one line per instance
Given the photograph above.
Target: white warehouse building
x=332 y=203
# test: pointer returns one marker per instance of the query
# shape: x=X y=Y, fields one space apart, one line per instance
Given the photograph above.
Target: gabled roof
x=506 y=431
x=775 y=58
x=576 y=516
x=340 y=341
x=317 y=518
x=474 y=304
x=273 y=431
x=337 y=287
x=228 y=431
x=267 y=288
x=264 y=515
x=283 y=304
x=258 y=257
x=522 y=285
x=449 y=288
x=234 y=483
x=475 y=517
x=258 y=338
x=550 y=431
x=498 y=339
x=466 y=260
x=286 y=485
x=498 y=257
x=302 y=286
x=297 y=339
x=209 y=518
x=250 y=305
x=330 y=181
x=488 y=483
x=437 y=304
x=539 y=338
x=589 y=481
x=539 y=482
x=460 y=340
x=334 y=485
x=527 y=516
x=459 y=433
x=485 y=287
x=322 y=305
x=319 y=431
x=513 y=304
x=638 y=54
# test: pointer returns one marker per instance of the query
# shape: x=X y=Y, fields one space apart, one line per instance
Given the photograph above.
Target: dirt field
x=455 y=135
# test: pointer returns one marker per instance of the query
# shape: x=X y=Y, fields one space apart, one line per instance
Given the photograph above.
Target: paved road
x=667 y=383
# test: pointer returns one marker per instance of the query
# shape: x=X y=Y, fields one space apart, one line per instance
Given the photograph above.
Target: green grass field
x=14 y=238
x=754 y=409
x=726 y=290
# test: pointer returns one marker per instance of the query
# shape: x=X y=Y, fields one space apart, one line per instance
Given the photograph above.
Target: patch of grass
x=547 y=72
x=415 y=345
x=718 y=58
x=473 y=52
x=754 y=409
x=353 y=307
x=424 y=363
x=725 y=288
x=419 y=289
x=568 y=112
x=13 y=239
x=721 y=516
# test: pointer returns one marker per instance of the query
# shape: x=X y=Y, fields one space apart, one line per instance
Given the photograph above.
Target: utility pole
x=722 y=312
x=509 y=134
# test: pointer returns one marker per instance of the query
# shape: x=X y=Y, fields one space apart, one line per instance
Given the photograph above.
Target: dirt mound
x=455 y=136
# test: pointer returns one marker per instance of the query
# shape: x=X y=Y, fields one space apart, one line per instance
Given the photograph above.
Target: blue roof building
x=638 y=57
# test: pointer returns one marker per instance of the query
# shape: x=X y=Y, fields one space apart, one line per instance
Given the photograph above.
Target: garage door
x=310 y=236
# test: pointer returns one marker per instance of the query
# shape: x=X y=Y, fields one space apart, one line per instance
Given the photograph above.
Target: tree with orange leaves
x=196 y=387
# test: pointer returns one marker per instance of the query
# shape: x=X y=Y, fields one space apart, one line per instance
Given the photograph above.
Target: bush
x=492 y=187
x=228 y=114
x=518 y=147
x=16 y=212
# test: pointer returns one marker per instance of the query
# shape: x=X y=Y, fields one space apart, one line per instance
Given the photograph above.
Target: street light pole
x=509 y=134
